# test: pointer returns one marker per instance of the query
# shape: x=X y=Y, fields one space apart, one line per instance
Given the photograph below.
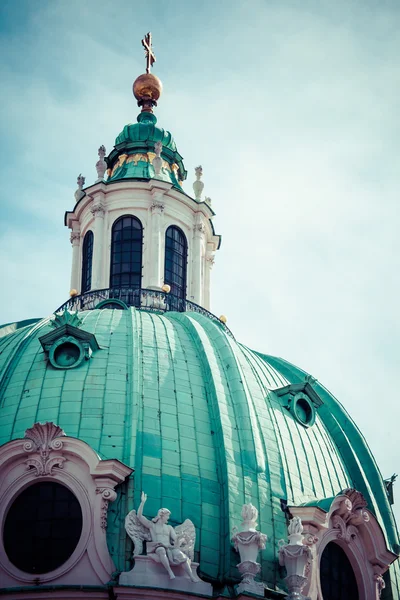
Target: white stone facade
x=157 y=205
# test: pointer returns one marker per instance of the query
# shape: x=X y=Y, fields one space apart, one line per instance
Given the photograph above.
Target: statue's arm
x=172 y=535
x=140 y=516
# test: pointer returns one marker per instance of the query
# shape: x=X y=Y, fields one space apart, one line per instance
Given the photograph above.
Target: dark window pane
x=338 y=581
x=38 y=541
x=175 y=261
x=126 y=255
x=87 y=257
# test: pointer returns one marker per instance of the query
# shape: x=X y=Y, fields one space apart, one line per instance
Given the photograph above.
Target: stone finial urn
x=198 y=185
x=157 y=160
x=296 y=557
x=248 y=542
x=101 y=165
x=79 y=192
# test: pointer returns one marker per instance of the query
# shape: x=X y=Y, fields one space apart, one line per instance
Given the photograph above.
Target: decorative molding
x=199 y=228
x=97 y=210
x=75 y=238
x=44 y=439
x=107 y=495
x=349 y=515
x=157 y=207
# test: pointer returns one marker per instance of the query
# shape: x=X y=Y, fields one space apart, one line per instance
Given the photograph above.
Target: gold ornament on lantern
x=73 y=293
x=166 y=288
x=223 y=319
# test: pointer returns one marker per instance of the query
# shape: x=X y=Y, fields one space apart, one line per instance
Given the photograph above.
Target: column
x=75 y=271
x=98 y=232
x=198 y=235
x=155 y=276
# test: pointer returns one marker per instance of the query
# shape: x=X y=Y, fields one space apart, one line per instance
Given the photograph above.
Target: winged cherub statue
x=165 y=545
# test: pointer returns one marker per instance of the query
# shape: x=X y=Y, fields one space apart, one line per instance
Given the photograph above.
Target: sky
x=290 y=106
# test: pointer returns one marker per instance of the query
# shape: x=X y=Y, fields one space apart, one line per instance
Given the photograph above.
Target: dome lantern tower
x=136 y=232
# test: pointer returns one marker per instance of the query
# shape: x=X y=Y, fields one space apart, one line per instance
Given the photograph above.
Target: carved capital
x=75 y=238
x=97 y=210
x=157 y=207
x=210 y=259
x=199 y=228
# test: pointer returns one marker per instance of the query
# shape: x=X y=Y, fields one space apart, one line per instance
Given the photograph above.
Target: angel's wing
x=136 y=531
x=186 y=537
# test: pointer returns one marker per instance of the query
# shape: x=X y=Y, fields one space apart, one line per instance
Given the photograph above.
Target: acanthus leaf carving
x=350 y=514
x=44 y=438
x=107 y=495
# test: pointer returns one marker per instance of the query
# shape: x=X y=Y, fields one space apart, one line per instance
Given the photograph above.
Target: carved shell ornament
x=44 y=438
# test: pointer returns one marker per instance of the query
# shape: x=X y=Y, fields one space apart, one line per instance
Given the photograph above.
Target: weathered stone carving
x=107 y=495
x=79 y=194
x=248 y=542
x=157 y=160
x=349 y=515
x=101 y=165
x=296 y=557
x=167 y=547
x=198 y=185
x=44 y=439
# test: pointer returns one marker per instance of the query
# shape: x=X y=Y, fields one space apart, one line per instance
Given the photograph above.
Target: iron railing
x=150 y=300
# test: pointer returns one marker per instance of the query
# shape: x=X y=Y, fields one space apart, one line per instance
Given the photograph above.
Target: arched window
x=126 y=253
x=87 y=262
x=338 y=581
x=175 y=261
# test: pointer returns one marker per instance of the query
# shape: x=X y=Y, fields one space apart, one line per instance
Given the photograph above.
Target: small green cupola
x=142 y=150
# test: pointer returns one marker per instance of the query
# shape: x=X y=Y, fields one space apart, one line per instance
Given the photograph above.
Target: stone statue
x=165 y=545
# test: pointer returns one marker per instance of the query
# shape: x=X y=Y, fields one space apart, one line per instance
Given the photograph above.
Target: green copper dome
x=145 y=130
x=135 y=149
x=203 y=421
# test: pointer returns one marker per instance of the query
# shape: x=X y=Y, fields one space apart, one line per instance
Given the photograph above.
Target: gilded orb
x=223 y=319
x=166 y=288
x=147 y=86
x=73 y=293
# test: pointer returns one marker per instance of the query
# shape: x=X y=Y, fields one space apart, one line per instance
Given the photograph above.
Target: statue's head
x=162 y=515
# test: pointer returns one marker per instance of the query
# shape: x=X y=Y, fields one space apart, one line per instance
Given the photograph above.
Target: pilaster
x=98 y=281
x=75 y=238
x=155 y=267
x=199 y=231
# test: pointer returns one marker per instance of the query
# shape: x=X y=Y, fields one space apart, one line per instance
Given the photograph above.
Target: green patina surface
x=140 y=137
x=194 y=413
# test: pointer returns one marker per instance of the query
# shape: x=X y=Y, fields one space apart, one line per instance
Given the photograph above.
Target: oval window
x=42 y=527
x=303 y=410
x=67 y=354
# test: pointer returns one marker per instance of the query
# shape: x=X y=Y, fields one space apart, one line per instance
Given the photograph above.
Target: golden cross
x=148 y=51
